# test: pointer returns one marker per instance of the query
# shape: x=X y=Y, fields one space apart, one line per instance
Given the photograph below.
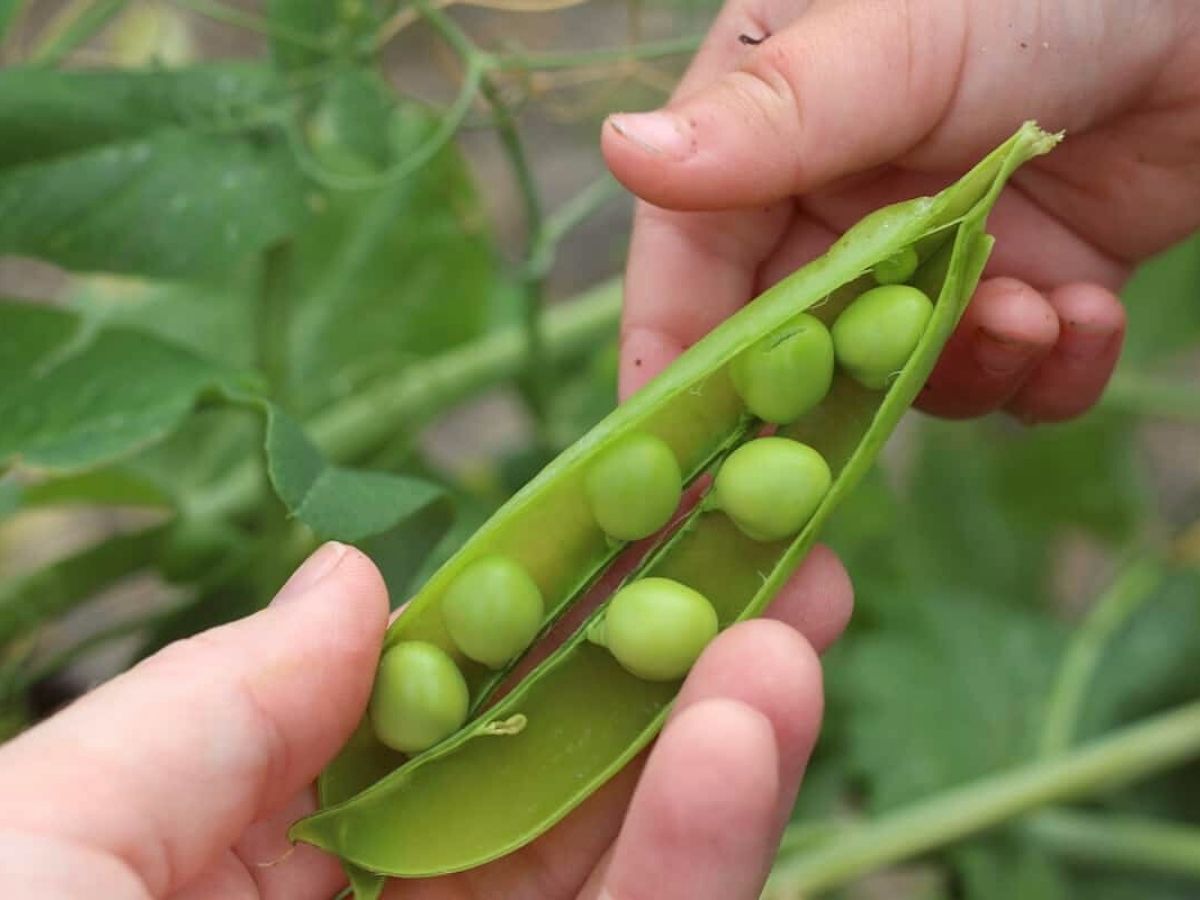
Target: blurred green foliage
x=252 y=291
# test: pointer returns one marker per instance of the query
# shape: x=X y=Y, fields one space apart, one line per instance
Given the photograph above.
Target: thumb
x=163 y=768
x=845 y=87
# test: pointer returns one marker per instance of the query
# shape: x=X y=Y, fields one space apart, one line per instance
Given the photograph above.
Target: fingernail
x=1000 y=355
x=1083 y=342
x=660 y=133
x=322 y=562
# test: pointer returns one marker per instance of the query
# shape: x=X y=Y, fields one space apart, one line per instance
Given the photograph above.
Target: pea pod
x=572 y=722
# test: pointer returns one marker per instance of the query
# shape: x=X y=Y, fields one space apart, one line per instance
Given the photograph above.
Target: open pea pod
x=572 y=722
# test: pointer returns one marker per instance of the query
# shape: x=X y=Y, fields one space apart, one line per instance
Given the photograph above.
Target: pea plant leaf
x=75 y=399
x=380 y=278
x=306 y=33
x=346 y=504
x=950 y=688
x=215 y=320
x=1160 y=299
x=168 y=174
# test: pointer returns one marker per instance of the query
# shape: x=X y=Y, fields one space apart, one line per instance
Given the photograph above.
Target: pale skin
x=178 y=779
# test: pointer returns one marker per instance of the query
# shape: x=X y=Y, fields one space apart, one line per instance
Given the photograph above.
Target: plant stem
x=534 y=62
x=567 y=217
x=537 y=376
x=47 y=593
x=1143 y=395
x=1124 y=596
x=446 y=129
x=1120 y=758
x=1105 y=839
x=536 y=380
x=414 y=396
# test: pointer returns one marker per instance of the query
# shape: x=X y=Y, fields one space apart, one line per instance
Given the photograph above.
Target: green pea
x=897 y=268
x=634 y=487
x=656 y=628
x=877 y=333
x=493 y=610
x=771 y=486
x=788 y=372
x=419 y=698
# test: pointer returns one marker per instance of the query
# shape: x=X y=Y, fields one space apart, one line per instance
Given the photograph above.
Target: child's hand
x=798 y=117
x=180 y=778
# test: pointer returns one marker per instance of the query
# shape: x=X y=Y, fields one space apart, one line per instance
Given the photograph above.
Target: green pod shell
x=771 y=486
x=493 y=611
x=787 y=373
x=455 y=806
x=877 y=333
x=419 y=697
x=634 y=487
x=897 y=268
x=656 y=628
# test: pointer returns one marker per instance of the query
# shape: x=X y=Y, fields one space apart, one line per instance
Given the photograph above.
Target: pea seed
x=875 y=335
x=419 y=697
x=656 y=628
x=634 y=487
x=897 y=268
x=493 y=610
x=771 y=486
x=787 y=373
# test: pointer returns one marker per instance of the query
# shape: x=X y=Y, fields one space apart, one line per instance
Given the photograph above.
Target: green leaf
x=951 y=688
x=215 y=320
x=1000 y=869
x=114 y=486
x=46 y=115
x=338 y=503
x=384 y=277
x=74 y=400
x=957 y=530
x=344 y=28
x=1083 y=475
x=1153 y=663
x=1160 y=301
x=161 y=174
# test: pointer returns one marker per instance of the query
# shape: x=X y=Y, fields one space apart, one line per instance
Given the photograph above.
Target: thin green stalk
x=1109 y=613
x=78 y=24
x=1105 y=839
x=445 y=131
x=577 y=59
x=413 y=397
x=27 y=602
x=567 y=217
x=229 y=15
x=1143 y=395
x=536 y=381
x=1123 y=757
